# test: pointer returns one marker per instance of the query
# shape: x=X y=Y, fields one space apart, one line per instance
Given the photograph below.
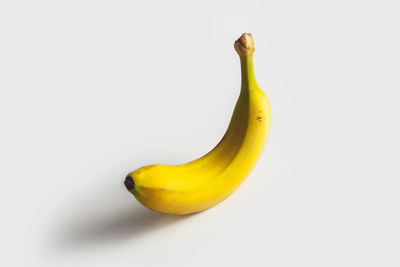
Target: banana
x=204 y=182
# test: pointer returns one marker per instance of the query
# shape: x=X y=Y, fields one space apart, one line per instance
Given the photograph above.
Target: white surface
x=90 y=90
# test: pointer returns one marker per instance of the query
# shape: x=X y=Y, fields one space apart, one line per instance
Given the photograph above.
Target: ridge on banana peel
x=204 y=182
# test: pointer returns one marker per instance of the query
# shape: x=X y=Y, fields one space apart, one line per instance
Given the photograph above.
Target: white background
x=90 y=90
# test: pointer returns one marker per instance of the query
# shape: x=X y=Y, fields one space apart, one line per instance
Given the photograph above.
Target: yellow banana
x=202 y=183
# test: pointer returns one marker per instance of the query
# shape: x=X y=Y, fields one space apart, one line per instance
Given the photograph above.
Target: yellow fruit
x=202 y=183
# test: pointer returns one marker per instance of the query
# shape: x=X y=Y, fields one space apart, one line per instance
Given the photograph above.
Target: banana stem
x=244 y=46
x=247 y=68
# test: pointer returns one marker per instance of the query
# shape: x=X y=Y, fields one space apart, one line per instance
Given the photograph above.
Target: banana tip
x=244 y=44
x=129 y=183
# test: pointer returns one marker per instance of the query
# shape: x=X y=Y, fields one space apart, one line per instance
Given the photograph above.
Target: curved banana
x=202 y=183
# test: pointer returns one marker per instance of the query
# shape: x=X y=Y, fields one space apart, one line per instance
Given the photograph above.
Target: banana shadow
x=106 y=219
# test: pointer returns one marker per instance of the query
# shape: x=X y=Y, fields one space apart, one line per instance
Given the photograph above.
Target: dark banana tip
x=244 y=44
x=129 y=183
